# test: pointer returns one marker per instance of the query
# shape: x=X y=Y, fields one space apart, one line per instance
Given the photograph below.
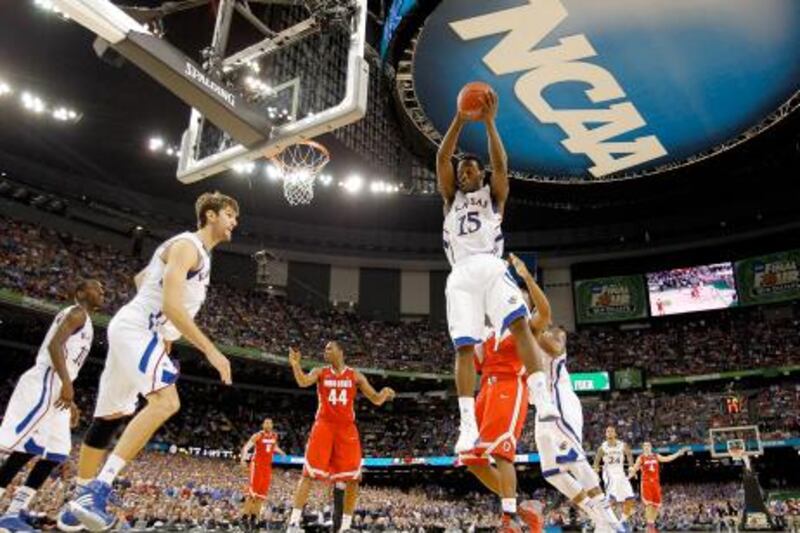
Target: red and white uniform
x=334 y=447
x=501 y=406
x=261 y=464
x=651 y=482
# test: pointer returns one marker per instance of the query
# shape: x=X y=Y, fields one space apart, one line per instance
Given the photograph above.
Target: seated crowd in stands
x=39 y=262
x=179 y=491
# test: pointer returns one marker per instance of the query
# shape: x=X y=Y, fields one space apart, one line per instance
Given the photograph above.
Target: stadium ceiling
x=122 y=108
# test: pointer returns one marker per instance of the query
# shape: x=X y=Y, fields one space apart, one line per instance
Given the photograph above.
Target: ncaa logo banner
x=606 y=89
x=769 y=278
x=610 y=299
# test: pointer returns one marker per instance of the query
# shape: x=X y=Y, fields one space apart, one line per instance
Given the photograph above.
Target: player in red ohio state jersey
x=333 y=452
x=264 y=445
x=650 y=465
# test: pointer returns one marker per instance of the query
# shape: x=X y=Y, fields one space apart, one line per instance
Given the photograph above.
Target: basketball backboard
x=735 y=442
x=303 y=74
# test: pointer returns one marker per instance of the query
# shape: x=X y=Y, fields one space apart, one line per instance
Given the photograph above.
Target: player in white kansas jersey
x=41 y=410
x=480 y=285
x=612 y=454
x=559 y=442
x=170 y=291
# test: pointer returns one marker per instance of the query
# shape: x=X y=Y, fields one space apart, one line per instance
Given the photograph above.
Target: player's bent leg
x=487 y=476
x=161 y=406
x=537 y=380
x=465 y=385
x=90 y=505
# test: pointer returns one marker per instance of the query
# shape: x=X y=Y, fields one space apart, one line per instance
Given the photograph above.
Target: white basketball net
x=299 y=165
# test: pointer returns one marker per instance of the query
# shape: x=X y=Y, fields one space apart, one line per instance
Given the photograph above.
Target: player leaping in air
x=479 y=285
x=560 y=441
x=333 y=452
x=170 y=292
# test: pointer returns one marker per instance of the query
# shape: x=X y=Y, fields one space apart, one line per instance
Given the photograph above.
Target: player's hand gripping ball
x=477 y=100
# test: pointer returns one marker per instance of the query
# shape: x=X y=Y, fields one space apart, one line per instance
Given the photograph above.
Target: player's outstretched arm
x=543 y=317
x=303 y=379
x=280 y=451
x=497 y=154
x=598 y=457
x=377 y=398
x=673 y=456
x=181 y=257
x=74 y=319
x=247 y=447
x=445 y=173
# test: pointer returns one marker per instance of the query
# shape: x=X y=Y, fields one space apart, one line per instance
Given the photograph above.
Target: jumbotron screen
x=692 y=289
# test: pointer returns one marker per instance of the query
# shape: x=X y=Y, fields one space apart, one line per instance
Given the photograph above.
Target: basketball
x=471 y=97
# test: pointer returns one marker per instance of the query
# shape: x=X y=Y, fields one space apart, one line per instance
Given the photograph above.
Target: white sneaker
x=467 y=438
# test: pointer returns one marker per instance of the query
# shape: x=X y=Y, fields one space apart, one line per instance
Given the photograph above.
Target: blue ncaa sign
x=600 y=89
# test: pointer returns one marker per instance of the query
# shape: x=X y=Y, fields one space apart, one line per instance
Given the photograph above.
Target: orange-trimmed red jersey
x=501 y=359
x=651 y=470
x=336 y=394
x=264 y=448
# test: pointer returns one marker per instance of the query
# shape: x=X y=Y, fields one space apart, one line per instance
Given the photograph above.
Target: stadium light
x=273 y=172
x=33 y=103
x=244 y=168
x=326 y=180
x=49 y=6
x=353 y=184
x=5 y=88
x=155 y=144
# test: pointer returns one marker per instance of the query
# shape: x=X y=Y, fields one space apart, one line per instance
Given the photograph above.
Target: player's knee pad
x=585 y=474
x=564 y=482
x=101 y=432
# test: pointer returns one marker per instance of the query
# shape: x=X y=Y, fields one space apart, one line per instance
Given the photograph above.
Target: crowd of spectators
x=180 y=491
x=40 y=263
x=420 y=425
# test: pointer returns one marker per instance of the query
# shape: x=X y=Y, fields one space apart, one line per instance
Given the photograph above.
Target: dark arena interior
x=631 y=159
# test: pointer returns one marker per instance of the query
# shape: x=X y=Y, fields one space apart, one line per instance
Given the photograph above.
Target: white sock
x=111 y=469
x=347 y=520
x=81 y=482
x=294 y=518
x=509 y=505
x=21 y=500
x=466 y=405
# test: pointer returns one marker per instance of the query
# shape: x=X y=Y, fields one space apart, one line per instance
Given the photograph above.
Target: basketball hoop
x=737 y=449
x=299 y=164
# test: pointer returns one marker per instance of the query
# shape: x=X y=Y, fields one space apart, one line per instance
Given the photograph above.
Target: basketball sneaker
x=67 y=521
x=11 y=523
x=531 y=513
x=89 y=506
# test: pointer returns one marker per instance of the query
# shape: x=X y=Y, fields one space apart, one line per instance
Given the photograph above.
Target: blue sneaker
x=67 y=521
x=89 y=506
x=11 y=523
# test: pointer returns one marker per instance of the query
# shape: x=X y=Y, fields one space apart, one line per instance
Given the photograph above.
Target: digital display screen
x=692 y=289
x=628 y=378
